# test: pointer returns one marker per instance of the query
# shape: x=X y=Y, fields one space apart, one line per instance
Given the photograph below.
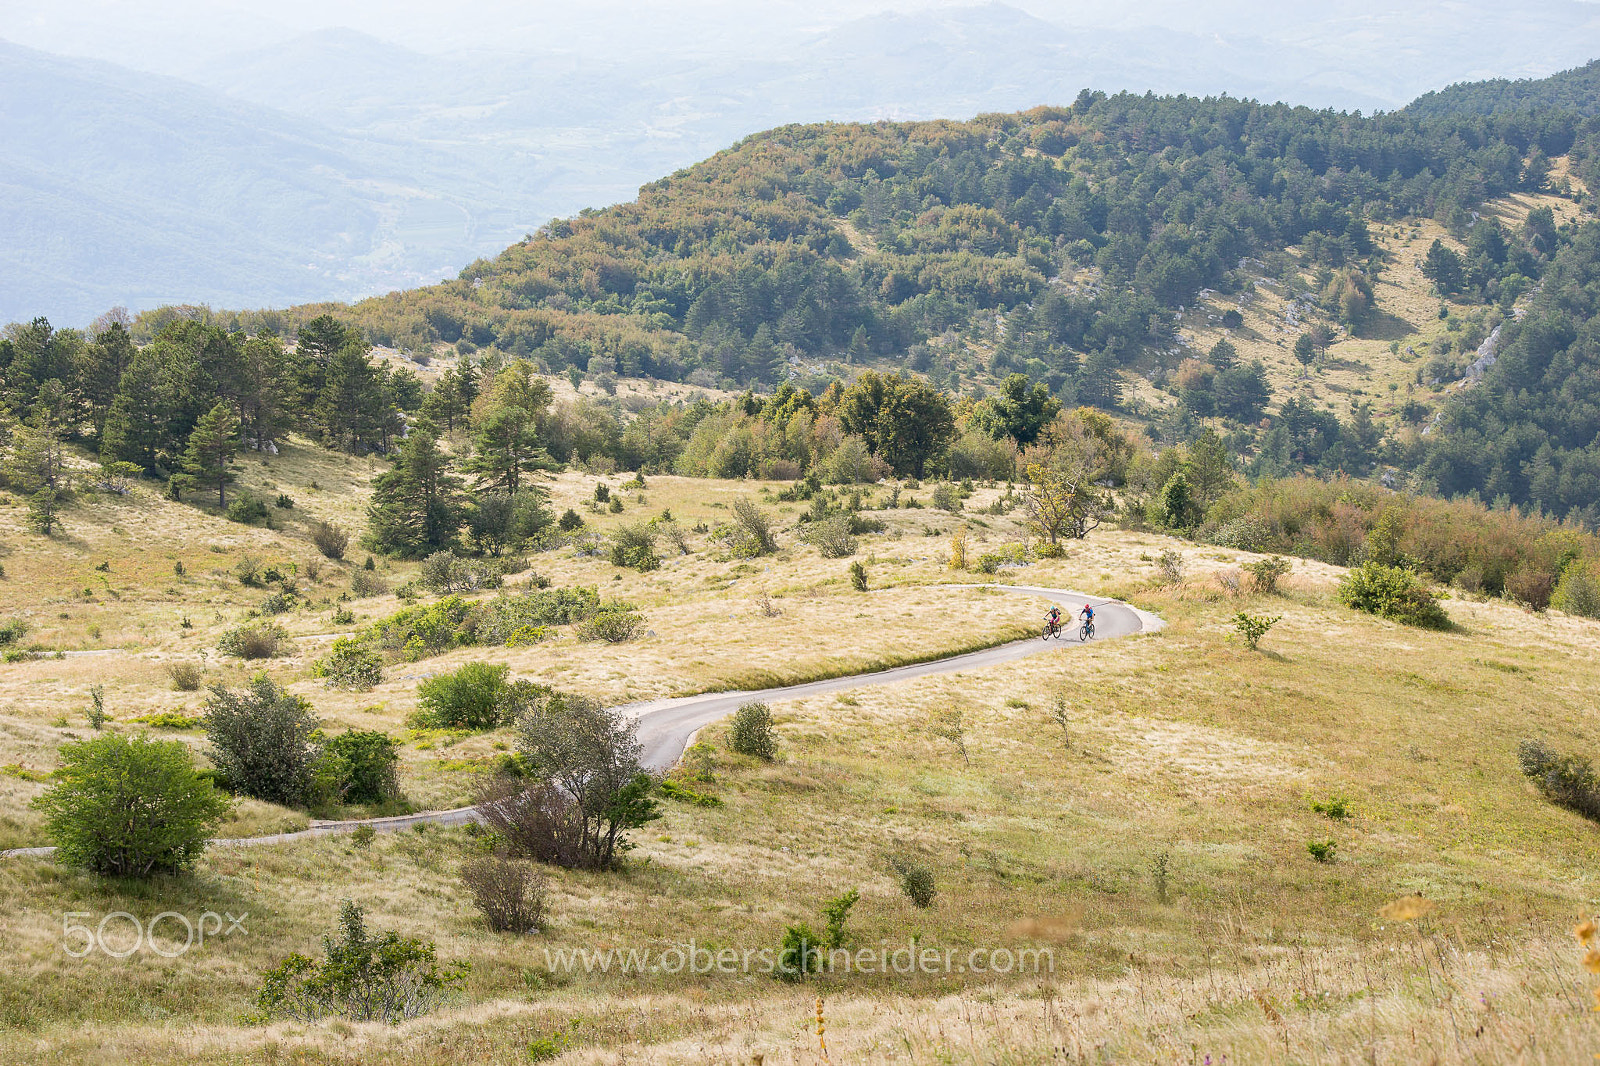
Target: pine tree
x=505 y=445
x=416 y=507
x=212 y=446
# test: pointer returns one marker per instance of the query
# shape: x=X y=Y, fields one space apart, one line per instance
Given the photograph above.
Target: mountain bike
x=1051 y=629
x=1086 y=631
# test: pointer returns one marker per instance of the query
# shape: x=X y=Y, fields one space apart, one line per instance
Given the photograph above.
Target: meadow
x=1150 y=839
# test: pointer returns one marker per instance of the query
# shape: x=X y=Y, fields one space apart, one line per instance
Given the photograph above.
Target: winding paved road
x=667 y=726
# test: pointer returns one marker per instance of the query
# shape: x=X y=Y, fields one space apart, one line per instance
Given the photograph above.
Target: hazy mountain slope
x=127 y=188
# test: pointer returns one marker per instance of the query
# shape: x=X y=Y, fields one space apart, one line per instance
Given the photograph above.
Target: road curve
x=667 y=726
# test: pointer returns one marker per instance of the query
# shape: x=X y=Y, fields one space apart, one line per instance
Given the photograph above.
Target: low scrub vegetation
x=511 y=894
x=362 y=977
x=1568 y=780
x=750 y=732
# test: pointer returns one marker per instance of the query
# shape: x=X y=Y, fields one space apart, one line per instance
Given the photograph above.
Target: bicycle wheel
x=1085 y=631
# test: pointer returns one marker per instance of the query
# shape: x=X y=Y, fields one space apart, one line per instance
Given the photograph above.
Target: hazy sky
x=167 y=35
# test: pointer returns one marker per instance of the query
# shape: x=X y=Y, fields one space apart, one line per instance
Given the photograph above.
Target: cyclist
x=1087 y=615
x=1052 y=621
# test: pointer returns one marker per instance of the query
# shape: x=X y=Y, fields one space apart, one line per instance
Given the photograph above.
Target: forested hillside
x=1576 y=90
x=1055 y=253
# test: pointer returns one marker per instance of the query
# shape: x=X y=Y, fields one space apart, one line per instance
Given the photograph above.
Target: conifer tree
x=416 y=507
x=212 y=446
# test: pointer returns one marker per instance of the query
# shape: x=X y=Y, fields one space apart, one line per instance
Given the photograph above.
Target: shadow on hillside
x=1382 y=326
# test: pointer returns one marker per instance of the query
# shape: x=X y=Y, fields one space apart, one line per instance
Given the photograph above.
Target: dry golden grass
x=1182 y=742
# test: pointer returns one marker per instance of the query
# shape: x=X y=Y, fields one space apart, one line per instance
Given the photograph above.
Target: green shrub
x=946 y=497
x=837 y=913
x=475 y=696
x=498 y=620
x=831 y=537
x=570 y=520
x=799 y=953
x=129 y=806
x=858 y=576
x=1393 y=593
x=448 y=572
x=614 y=624
x=351 y=664
x=247 y=510
x=1578 y=591
x=916 y=880
x=1252 y=627
x=362 y=763
x=384 y=978
x=1265 y=574
x=750 y=732
x=1323 y=850
x=634 y=546
x=262 y=740
x=1336 y=807
x=262 y=640
x=12 y=630
x=753 y=534
x=1567 y=780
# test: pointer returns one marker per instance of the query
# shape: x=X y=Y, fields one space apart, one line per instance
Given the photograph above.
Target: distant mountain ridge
x=338 y=164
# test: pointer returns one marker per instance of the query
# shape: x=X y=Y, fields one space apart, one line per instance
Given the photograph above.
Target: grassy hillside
x=1157 y=848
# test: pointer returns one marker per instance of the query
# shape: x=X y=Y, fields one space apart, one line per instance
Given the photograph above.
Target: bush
x=1531 y=585
x=831 y=537
x=249 y=570
x=588 y=755
x=328 y=538
x=186 y=676
x=512 y=895
x=634 y=545
x=750 y=732
x=351 y=665
x=1393 y=593
x=12 y=630
x=916 y=879
x=858 y=576
x=261 y=740
x=384 y=978
x=1578 y=591
x=475 y=696
x=799 y=953
x=614 y=624
x=946 y=497
x=1169 y=567
x=1265 y=574
x=362 y=764
x=448 y=572
x=247 y=510
x=280 y=603
x=262 y=640
x=753 y=530
x=1252 y=627
x=364 y=583
x=537 y=822
x=505 y=617
x=1247 y=533
x=129 y=806
x=570 y=520
x=1568 y=780
x=1323 y=850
